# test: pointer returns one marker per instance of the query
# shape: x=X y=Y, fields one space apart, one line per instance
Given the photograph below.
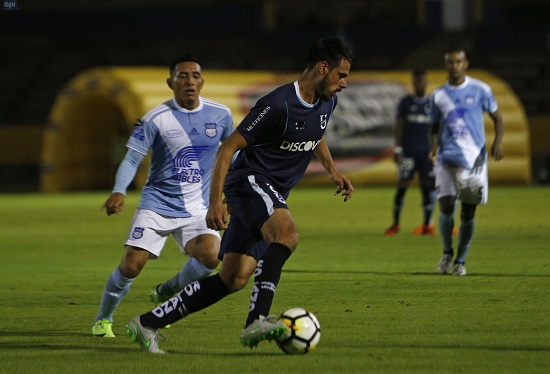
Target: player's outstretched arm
x=343 y=184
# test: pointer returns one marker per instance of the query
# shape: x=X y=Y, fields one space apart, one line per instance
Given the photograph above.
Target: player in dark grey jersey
x=276 y=140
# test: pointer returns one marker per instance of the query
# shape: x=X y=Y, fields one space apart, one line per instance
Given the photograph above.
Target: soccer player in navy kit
x=184 y=134
x=458 y=140
x=276 y=141
x=412 y=153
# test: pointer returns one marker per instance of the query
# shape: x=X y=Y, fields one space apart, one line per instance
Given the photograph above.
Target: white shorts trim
x=150 y=230
x=469 y=186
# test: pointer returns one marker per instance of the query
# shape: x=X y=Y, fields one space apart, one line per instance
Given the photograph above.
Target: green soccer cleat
x=147 y=338
x=103 y=328
x=158 y=298
x=262 y=329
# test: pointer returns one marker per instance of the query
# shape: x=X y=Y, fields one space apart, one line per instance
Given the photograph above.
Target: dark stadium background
x=44 y=43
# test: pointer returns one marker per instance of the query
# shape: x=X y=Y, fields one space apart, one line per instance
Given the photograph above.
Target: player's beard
x=323 y=95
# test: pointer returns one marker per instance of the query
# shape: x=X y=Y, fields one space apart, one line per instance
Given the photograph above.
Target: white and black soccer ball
x=303 y=331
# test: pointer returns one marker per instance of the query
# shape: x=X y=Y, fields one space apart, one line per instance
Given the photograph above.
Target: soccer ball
x=303 y=331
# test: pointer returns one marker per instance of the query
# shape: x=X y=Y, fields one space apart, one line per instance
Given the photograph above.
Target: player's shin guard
x=465 y=236
x=116 y=287
x=398 y=203
x=428 y=199
x=194 y=297
x=446 y=224
x=266 y=278
x=191 y=271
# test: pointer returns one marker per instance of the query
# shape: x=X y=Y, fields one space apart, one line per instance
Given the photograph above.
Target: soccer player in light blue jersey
x=183 y=134
x=458 y=142
x=276 y=142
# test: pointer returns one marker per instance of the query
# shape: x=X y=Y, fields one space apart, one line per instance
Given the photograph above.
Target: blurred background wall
x=46 y=43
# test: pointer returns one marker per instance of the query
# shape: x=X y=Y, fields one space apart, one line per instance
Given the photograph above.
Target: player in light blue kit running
x=184 y=134
x=458 y=141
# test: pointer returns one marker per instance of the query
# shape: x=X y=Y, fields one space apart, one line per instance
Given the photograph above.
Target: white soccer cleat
x=444 y=264
x=459 y=269
x=147 y=338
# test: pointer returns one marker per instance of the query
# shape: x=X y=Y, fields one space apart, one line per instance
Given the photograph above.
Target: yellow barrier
x=93 y=115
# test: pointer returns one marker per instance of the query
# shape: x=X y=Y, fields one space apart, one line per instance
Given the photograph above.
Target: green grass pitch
x=381 y=304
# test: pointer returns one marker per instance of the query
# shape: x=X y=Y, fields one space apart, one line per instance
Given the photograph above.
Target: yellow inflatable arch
x=94 y=114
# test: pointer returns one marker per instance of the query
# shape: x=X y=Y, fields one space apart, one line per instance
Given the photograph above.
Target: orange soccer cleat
x=424 y=230
x=394 y=229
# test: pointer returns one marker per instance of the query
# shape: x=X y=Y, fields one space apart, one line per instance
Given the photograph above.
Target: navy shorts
x=415 y=162
x=251 y=202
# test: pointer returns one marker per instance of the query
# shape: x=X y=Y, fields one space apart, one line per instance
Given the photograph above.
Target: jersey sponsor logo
x=418 y=118
x=186 y=164
x=138 y=133
x=456 y=124
x=305 y=146
x=259 y=118
x=173 y=133
x=324 y=121
x=210 y=130
x=138 y=232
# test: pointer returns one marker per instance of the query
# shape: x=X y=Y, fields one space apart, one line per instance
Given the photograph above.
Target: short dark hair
x=419 y=72
x=456 y=49
x=329 y=49
x=183 y=58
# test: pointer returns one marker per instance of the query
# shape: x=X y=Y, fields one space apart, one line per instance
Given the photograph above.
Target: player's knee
x=236 y=283
x=292 y=241
x=210 y=262
x=129 y=270
x=468 y=212
x=447 y=205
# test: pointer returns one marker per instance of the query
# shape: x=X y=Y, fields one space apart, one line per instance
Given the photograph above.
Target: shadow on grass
x=27 y=346
x=470 y=275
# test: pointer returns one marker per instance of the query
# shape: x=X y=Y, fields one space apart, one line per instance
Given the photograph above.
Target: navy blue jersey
x=415 y=113
x=282 y=132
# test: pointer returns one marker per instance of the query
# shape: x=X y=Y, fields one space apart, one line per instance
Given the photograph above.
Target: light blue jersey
x=459 y=110
x=184 y=144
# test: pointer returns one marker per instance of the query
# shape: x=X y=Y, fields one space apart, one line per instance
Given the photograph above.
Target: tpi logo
x=9 y=5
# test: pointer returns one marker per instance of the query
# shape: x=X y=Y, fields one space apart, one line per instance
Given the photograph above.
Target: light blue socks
x=465 y=236
x=446 y=224
x=116 y=288
x=191 y=271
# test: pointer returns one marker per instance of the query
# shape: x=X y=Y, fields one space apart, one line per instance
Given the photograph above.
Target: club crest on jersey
x=324 y=121
x=301 y=125
x=210 y=130
x=138 y=232
x=469 y=100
